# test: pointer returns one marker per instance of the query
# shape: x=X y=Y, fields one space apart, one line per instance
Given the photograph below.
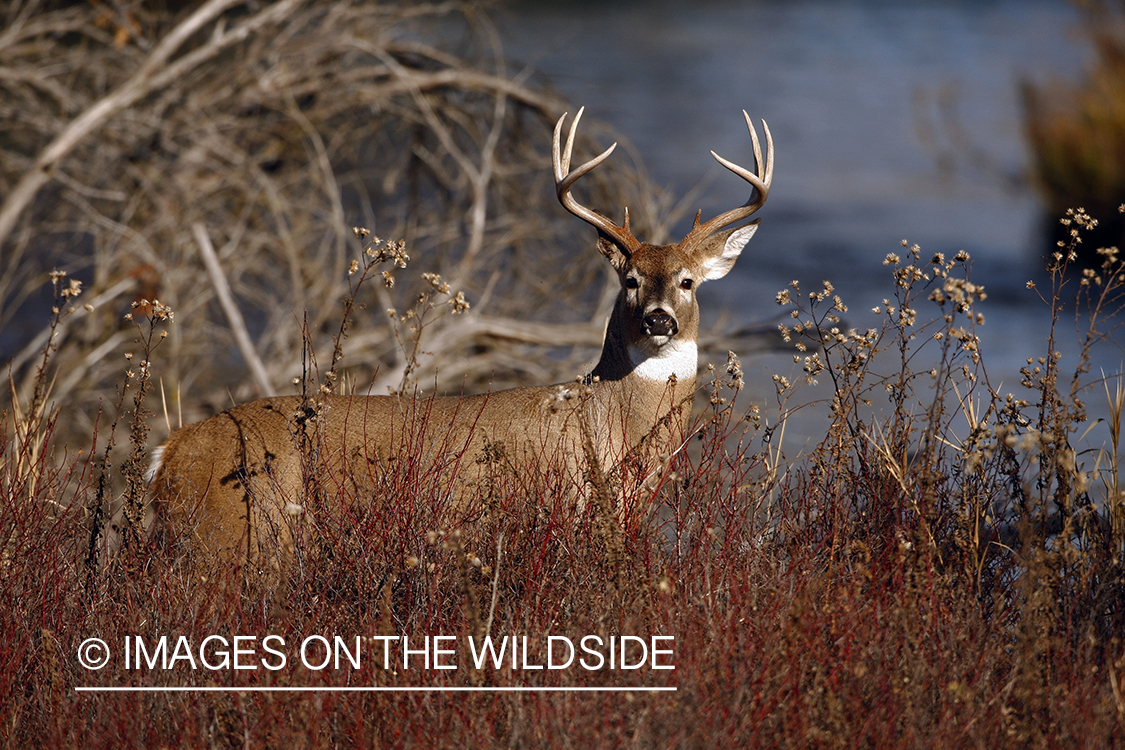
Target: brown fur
x=236 y=481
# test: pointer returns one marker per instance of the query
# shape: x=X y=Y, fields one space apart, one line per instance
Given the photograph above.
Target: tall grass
x=942 y=571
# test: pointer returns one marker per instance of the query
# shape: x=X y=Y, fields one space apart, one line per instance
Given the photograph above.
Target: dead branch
x=276 y=128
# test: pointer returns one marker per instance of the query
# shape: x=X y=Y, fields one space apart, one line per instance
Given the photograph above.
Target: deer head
x=655 y=321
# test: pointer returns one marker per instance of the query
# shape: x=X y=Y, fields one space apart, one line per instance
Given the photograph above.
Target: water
x=892 y=121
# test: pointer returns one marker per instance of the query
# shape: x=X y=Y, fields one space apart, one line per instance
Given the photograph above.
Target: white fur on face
x=676 y=357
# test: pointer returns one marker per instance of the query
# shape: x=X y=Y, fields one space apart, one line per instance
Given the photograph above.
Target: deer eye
x=687 y=284
x=631 y=283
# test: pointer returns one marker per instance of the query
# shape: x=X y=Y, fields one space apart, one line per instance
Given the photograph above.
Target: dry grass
x=947 y=573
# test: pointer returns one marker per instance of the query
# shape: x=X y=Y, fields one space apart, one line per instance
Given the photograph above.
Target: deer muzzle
x=660 y=323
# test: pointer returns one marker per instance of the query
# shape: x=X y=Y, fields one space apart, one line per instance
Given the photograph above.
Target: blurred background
x=892 y=120
x=954 y=125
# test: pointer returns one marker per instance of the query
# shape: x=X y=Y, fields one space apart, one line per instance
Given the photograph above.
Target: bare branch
x=230 y=309
x=144 y=81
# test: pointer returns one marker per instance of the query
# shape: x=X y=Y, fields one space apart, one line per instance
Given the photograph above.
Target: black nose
x=660 y=323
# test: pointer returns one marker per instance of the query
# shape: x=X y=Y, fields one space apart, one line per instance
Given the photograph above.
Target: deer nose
x=660 y=323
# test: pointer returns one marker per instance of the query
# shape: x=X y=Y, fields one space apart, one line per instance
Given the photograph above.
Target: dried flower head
x=459 y=303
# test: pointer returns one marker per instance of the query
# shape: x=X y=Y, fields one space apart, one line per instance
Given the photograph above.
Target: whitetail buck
x=234 y=480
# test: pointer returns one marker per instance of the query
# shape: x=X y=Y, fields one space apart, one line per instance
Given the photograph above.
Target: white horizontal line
x=370 y=689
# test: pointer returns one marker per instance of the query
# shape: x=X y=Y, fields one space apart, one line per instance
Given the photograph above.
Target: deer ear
x=721 y=253
x=612 y=251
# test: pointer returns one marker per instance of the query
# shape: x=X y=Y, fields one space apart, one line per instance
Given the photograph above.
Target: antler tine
x=564 y=179
x=761 y=185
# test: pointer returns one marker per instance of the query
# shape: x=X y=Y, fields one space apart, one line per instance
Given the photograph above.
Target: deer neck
x=648 y=366
x=641 y=370
x=629 y=355
x=639 y=388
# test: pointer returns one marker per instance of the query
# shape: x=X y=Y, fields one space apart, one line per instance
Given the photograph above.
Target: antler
x=700 y=232
x=564 y=179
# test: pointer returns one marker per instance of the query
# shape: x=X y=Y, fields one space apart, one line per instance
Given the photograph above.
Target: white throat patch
x=679 y=358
